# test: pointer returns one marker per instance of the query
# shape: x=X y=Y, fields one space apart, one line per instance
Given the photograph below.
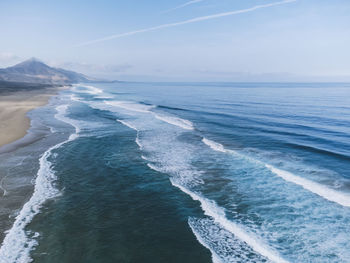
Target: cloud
x=236 y=76
x=189 y=21
x=94 y=68
x=7 y=58
x=183 y=5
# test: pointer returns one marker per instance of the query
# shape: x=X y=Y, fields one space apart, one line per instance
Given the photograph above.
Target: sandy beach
x=16 y=185
x=14 y=122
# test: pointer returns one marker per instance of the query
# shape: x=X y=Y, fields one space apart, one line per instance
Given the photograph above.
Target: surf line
x=137 y=107
x=316 y=188
x=217 y=213
x=17 y=245
x=212 y=210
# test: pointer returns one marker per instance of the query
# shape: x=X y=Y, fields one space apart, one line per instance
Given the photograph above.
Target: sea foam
x=214 y=256
x=143 y=108
x=316 y=188
x=87 y=89
x=214 y=145
x=18 y=242
x=217 y=213
x=137 y=140
x=127 y=124
x=224 y=245
x=183 y=180
x=184 y=124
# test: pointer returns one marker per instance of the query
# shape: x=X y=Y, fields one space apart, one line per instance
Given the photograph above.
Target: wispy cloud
x=189 y=21
x=7 y=59
x=183 y=5
x=93 y=68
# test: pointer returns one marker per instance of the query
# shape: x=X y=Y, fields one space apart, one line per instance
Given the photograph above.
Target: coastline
x=14 y=106
x=16 y=182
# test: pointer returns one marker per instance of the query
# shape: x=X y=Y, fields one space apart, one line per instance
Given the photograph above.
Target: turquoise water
x=216 y=172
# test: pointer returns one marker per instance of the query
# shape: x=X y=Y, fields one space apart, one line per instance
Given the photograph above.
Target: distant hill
x=35 y=71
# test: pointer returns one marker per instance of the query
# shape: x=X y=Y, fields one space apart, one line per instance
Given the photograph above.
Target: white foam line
x=153 y=167
x=218 y=214
x=17 y=244
x=131 y=106
x=214 y=145
x=73 y=97
x=184 y=124
x=316 y=188
x=211 y=209
x=128 y=125
x=104 y=97
x=144 y=158
x=220 y=148
x=93 y=90
x=214 y=257
x=89 y=89
x=137 y=140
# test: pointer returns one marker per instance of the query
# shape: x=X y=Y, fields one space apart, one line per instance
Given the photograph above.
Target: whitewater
x=158 y=176
x=18 y=242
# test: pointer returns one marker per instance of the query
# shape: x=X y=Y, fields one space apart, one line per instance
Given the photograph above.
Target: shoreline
x=14 y=106
x=16 y=185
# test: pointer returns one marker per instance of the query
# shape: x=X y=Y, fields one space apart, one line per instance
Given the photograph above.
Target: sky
x=182 y=40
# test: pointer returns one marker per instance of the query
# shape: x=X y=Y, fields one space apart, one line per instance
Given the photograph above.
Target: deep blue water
x=222 y=172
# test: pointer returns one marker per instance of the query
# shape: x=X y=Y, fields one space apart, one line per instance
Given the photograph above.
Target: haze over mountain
x=35 y=71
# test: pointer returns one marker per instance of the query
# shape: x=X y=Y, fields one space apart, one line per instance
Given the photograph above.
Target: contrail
x=189 y=21
x=183 y=5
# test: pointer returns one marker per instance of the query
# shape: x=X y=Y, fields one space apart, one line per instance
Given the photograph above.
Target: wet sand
x=18 y=170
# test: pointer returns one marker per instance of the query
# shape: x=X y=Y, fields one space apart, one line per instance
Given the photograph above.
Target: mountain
x=35 y=71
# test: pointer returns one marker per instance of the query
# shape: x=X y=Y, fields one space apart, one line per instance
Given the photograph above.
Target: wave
x=171 y=108
x=104 y=97
x=87 y=89
x=184 y=124
x=128 y=124
x=131 y=106
x=137 y=140
x=145 y=108
x=18 y=242
x=215 y=146
x=314 y=149
x=153 y=167
x=316 y=188
x=214 y=256
x=225 y=247
x=220 y=148
x=73 y=97
x=183 y=179
x=323 y=191
x=217 y=213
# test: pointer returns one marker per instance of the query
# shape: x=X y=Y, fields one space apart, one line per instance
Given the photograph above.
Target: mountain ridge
x=35 y=71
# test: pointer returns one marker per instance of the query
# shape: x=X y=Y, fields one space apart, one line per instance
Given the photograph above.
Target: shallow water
x=144 y=172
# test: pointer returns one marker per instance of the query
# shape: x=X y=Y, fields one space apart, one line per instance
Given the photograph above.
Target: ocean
x=183 y=172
